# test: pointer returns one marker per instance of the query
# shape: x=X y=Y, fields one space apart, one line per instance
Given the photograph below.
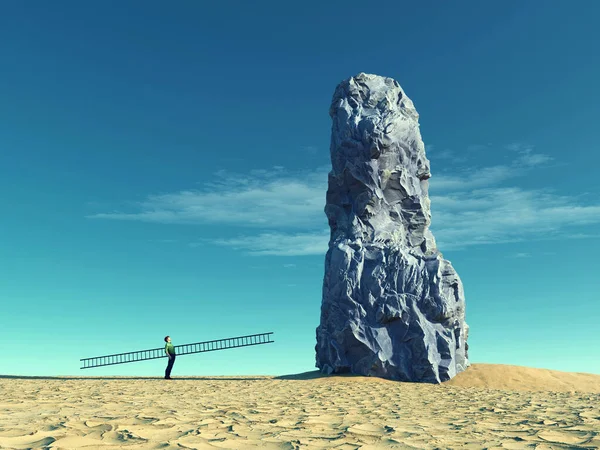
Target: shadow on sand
x=312 y=375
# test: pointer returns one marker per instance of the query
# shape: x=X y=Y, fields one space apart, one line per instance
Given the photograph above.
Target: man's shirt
x=170 y=348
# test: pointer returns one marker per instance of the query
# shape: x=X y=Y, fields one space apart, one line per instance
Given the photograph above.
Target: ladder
x=185 y=349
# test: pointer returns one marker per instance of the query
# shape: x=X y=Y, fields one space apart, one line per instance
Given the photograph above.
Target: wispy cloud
x=583 y=235
x=448 y=155
x=468 y=178
x=471 y=178
x=279 y=244
x=520 y=255
x=501 y=215
x=264 y=198
x=284 y=210
x=526 y=155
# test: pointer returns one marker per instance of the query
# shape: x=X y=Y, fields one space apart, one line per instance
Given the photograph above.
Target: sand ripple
x=264 y=412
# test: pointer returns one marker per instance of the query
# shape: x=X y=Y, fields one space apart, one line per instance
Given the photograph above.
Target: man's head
x=167 y=338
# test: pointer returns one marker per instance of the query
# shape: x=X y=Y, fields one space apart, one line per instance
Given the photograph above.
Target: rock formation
x=392 y=306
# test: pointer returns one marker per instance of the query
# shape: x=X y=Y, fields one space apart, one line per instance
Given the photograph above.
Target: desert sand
x=487 y=406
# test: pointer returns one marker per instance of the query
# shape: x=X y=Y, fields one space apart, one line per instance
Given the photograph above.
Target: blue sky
x=163 y=171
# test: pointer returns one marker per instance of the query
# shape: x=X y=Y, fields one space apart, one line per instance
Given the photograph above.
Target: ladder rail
x=183 y=349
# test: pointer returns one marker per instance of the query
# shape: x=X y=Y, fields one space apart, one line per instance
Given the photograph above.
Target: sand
x=487 y=406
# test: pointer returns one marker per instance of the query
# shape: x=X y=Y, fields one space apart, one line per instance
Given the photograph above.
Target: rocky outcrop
x=392 y=306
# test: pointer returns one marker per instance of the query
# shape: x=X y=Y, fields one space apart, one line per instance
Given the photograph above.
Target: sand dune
x=488 y=406
x=500 y=376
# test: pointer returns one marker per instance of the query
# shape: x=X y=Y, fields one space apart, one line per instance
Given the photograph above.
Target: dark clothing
x=169 y=366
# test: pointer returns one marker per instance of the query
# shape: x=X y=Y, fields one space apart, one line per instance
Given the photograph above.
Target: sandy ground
x=487 y=406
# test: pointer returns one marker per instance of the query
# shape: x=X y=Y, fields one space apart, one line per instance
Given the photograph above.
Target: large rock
x=392 y=306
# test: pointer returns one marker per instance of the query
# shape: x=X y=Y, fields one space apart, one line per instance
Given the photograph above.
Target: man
x=170 y=351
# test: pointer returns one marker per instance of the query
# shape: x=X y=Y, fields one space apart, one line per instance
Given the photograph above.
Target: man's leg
x=169 y=366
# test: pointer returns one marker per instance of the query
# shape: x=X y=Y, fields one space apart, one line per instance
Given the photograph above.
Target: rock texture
x=392 y=306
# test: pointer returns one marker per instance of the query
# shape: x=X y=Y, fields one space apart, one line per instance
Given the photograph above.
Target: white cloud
x=535 y=160
x=500 y=215
x=472 y=178
x=583 y=235
x=526 y=155
x=473 y=206
x=479 y=177
x=279 y=244
x=265 y=198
